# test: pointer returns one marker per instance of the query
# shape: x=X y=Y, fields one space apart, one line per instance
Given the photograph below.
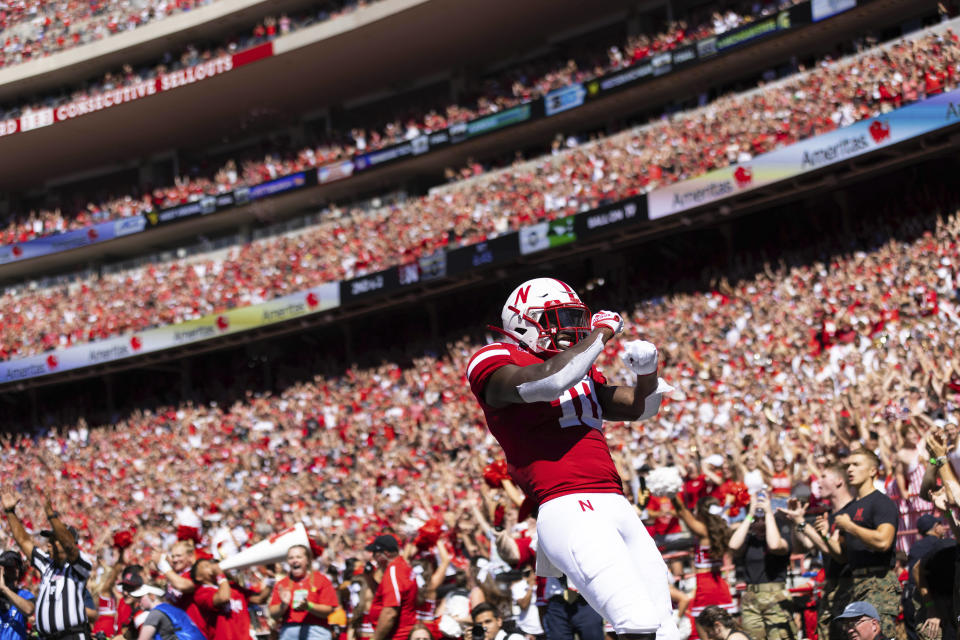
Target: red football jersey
x=397 y=589
x=185 y=601
x=554 y=448
x=229 y=621
x=314 y=587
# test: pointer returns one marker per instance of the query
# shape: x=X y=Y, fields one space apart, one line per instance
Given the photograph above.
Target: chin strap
x=512 y=336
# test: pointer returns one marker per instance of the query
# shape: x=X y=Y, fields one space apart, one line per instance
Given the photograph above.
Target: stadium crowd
x=806 y=361
x=357 y=241
x=32 y=29
x=515 y=86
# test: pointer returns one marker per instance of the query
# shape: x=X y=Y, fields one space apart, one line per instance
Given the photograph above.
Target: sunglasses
x=849 y=625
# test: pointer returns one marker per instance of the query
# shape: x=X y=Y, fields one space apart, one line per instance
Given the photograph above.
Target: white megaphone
x=272 y=549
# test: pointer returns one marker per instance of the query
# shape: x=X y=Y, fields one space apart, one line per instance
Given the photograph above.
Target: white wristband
x=651 y=404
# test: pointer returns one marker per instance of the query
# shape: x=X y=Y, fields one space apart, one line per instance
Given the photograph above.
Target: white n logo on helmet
x=522 y=294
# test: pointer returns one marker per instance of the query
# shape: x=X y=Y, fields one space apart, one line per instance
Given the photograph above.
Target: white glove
x=163 y=566
x=608 y=319
x=641 y=356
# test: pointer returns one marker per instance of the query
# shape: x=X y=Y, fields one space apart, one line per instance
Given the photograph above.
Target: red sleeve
x=203 y=597
x=247 y=592
x=484 y=362
x=325 y=593
x=597 y=377
x=275 y=596
x=391 y=587
x=527 y=555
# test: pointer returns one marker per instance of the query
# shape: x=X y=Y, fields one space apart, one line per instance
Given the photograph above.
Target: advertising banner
x=616 y=80
x=286 y=183
x=414 y=147
x=202 y=207
x=821 y=9
x=493 y=251
x=135 y=224
x=747 y=33
x=547 y=235
x=129 y=226
x=560 y=100
x=335 y=171
x=35 y=119
x=809 y=155
x=684 y=55
x=610 y=217
x=662 y=63
x=754 y=30
x=433 y=266
x=496 y=121
x=295 y=305
x=371 y=284
x=62 y=241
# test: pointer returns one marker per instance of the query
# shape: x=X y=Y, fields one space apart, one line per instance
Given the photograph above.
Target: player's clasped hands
x=607 y=320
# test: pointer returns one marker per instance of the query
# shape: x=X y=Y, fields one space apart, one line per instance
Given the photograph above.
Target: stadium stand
x=513 y=87
x=793 y=334
x=574 y=180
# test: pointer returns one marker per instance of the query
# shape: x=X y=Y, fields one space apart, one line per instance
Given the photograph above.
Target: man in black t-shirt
x=761 y=548
x=869 y=531
x=822 y=536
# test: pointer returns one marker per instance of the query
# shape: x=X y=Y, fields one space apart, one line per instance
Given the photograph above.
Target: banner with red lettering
x=32 y=119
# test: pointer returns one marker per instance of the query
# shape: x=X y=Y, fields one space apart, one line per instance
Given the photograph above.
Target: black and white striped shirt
x=60 y=601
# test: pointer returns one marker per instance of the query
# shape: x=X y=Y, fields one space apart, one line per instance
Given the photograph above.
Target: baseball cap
x=145 y=589
x=859 y=609
x=48 y=533
x=384 y=542
x=715 y=460
x=131 y=579
x=925 y=523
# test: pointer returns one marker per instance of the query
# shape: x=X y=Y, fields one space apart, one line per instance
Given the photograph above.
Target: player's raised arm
x=642 y=400
x=544 y=382
x=551 y=344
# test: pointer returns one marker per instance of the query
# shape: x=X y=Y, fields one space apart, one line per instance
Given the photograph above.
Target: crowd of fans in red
x=354 y=242
x=802 y=362
x=515 y=86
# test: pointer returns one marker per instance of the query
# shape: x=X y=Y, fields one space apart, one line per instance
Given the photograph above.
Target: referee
x=60 y=613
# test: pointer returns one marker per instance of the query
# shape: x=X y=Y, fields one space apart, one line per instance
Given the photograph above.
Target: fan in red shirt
x=180 y=586
x=394 y=606
x=222 y=608
x=544 y=401
x=303 y=599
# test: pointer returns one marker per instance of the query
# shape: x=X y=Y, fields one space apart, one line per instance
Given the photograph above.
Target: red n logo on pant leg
x=585 y=504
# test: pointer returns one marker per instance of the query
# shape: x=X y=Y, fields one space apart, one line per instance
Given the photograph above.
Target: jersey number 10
x=578 y=405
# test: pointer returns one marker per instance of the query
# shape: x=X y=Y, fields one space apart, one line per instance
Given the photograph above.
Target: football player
x=545 y=402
